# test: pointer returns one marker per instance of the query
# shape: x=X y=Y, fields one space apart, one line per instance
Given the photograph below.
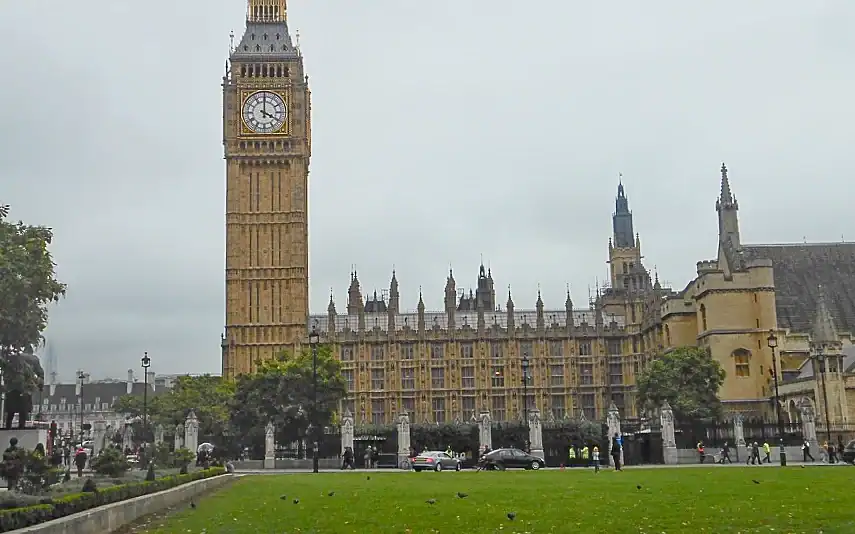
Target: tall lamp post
x=146 y=363
x=820 y=358
x=772 y=341
x=524 y=364
x=314 y=340
x=81 y=376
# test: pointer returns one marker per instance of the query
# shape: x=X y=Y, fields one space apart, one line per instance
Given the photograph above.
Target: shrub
x=11 y=519
x=13 y=499
x=163 y=455
x=90 y=486
x=111 y=462
x=183 y=457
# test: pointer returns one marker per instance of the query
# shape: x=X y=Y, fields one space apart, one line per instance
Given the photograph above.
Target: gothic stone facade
x=267 y=143
x=750 y=291
x=442 y=366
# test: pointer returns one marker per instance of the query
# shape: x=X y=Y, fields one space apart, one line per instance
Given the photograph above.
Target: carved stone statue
x=22 y=376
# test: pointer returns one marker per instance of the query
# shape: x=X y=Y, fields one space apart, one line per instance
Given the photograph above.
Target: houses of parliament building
x=444 y=366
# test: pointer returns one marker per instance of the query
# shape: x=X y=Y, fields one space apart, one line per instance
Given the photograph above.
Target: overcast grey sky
x=442 y=130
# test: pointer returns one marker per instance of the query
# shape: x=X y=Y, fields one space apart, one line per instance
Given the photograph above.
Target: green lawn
x=715 y=500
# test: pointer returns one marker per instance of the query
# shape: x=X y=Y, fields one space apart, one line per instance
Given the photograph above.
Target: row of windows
x=437 y=351
x=467 y=376
x=264 y=70
x=440 y=408
x=63 y=407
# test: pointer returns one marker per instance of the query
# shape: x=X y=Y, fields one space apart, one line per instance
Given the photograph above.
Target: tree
x=688 y=378
x=280 y=391
x=210 y=397
x=27 y=286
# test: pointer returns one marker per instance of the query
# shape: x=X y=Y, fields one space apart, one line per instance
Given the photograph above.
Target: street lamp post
x=146 y=363
x=525 y=363
x=314 y=340
x=81 y=376
x=820 y=357
x=772 y=341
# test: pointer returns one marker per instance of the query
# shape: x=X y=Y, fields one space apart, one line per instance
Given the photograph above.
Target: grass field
x=715 y=500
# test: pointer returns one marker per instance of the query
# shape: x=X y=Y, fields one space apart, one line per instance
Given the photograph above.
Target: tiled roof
x=103 y=391
x=800 y=270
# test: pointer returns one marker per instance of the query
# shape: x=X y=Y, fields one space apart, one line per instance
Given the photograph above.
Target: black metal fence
x=716 y=433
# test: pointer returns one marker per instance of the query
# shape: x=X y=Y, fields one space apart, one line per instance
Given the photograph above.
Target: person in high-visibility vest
x=585 y=452
x=767 y=450
x=571 y=456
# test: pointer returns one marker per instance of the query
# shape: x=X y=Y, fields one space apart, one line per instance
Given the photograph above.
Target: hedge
x=15 y=518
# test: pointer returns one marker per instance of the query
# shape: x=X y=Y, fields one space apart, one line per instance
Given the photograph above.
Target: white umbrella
x=207 y=447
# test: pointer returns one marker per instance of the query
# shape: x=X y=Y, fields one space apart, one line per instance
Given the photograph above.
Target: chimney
x=130 y=381
x=151 y=379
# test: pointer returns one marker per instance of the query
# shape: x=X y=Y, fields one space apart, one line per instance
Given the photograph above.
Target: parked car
x=435 y=461
x=502 y=459
x=848 y=453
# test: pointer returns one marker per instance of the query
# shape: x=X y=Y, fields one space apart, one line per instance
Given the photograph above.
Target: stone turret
x=541 y=322
x=450 y=298
x=510 y=310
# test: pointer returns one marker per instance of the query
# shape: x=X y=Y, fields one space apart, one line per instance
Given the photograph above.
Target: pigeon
x=431 y=501
x=638 y=486
x=512 y=515
x=192 y=504
x=283 y=497
x=368 y=477
x=755 y=481
x=296 y=501
x=462 y=495
x=331 y=493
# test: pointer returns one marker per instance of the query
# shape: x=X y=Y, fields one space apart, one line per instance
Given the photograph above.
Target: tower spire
x=726 y=198
x=622 y=219
x=266 y=11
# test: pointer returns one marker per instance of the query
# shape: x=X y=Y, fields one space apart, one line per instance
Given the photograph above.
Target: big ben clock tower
x=267 y=142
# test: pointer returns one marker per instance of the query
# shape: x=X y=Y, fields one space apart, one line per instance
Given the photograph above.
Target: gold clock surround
x=247 y=133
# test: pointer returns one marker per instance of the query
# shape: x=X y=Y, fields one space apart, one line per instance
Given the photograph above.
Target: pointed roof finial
x=297 y=39
x=824 y=330
x=231 y=41
x=726 y=197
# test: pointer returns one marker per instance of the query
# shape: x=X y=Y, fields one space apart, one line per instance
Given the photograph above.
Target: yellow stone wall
x=267 y=261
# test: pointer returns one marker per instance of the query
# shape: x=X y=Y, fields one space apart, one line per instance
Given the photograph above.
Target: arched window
x=703 y=318
x=742 y=362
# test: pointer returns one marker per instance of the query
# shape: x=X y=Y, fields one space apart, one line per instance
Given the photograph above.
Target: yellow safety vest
x=572 y=453
x=584 y=452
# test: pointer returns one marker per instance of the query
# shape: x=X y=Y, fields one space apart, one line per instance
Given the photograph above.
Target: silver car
x=435 y=461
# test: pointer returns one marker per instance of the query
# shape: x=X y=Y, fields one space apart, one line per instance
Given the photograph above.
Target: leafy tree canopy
x=688 y=378
x=27 y=285
x=280 y=391
x=208 y=396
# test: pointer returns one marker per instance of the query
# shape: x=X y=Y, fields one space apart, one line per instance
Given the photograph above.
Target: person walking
x=617 y=446
x=755 y=453
x=806 y=452
x=767 y=450
x=725 y=454
x=701 y=454
x=595 y=458
x=832 y=454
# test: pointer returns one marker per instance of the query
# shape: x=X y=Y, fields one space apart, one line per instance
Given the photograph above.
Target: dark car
x=502 y=459
x=848 y=453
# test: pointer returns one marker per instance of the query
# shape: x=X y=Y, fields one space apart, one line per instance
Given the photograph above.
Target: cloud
x=441 y=132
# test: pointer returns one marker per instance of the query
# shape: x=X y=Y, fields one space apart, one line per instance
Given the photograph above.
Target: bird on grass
x=283 y=497
x=431 y=501
x=638 y=486
x=368 y=477
x=512 y=515
x=755 y=481
x=330 y=494
x=462 y=495
x=296 y=501
x=192 y=504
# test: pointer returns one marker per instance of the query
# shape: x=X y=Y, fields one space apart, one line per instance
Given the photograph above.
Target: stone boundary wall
x=111 y=517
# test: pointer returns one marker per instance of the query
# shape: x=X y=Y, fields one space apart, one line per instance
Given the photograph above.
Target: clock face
x=265 y=112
